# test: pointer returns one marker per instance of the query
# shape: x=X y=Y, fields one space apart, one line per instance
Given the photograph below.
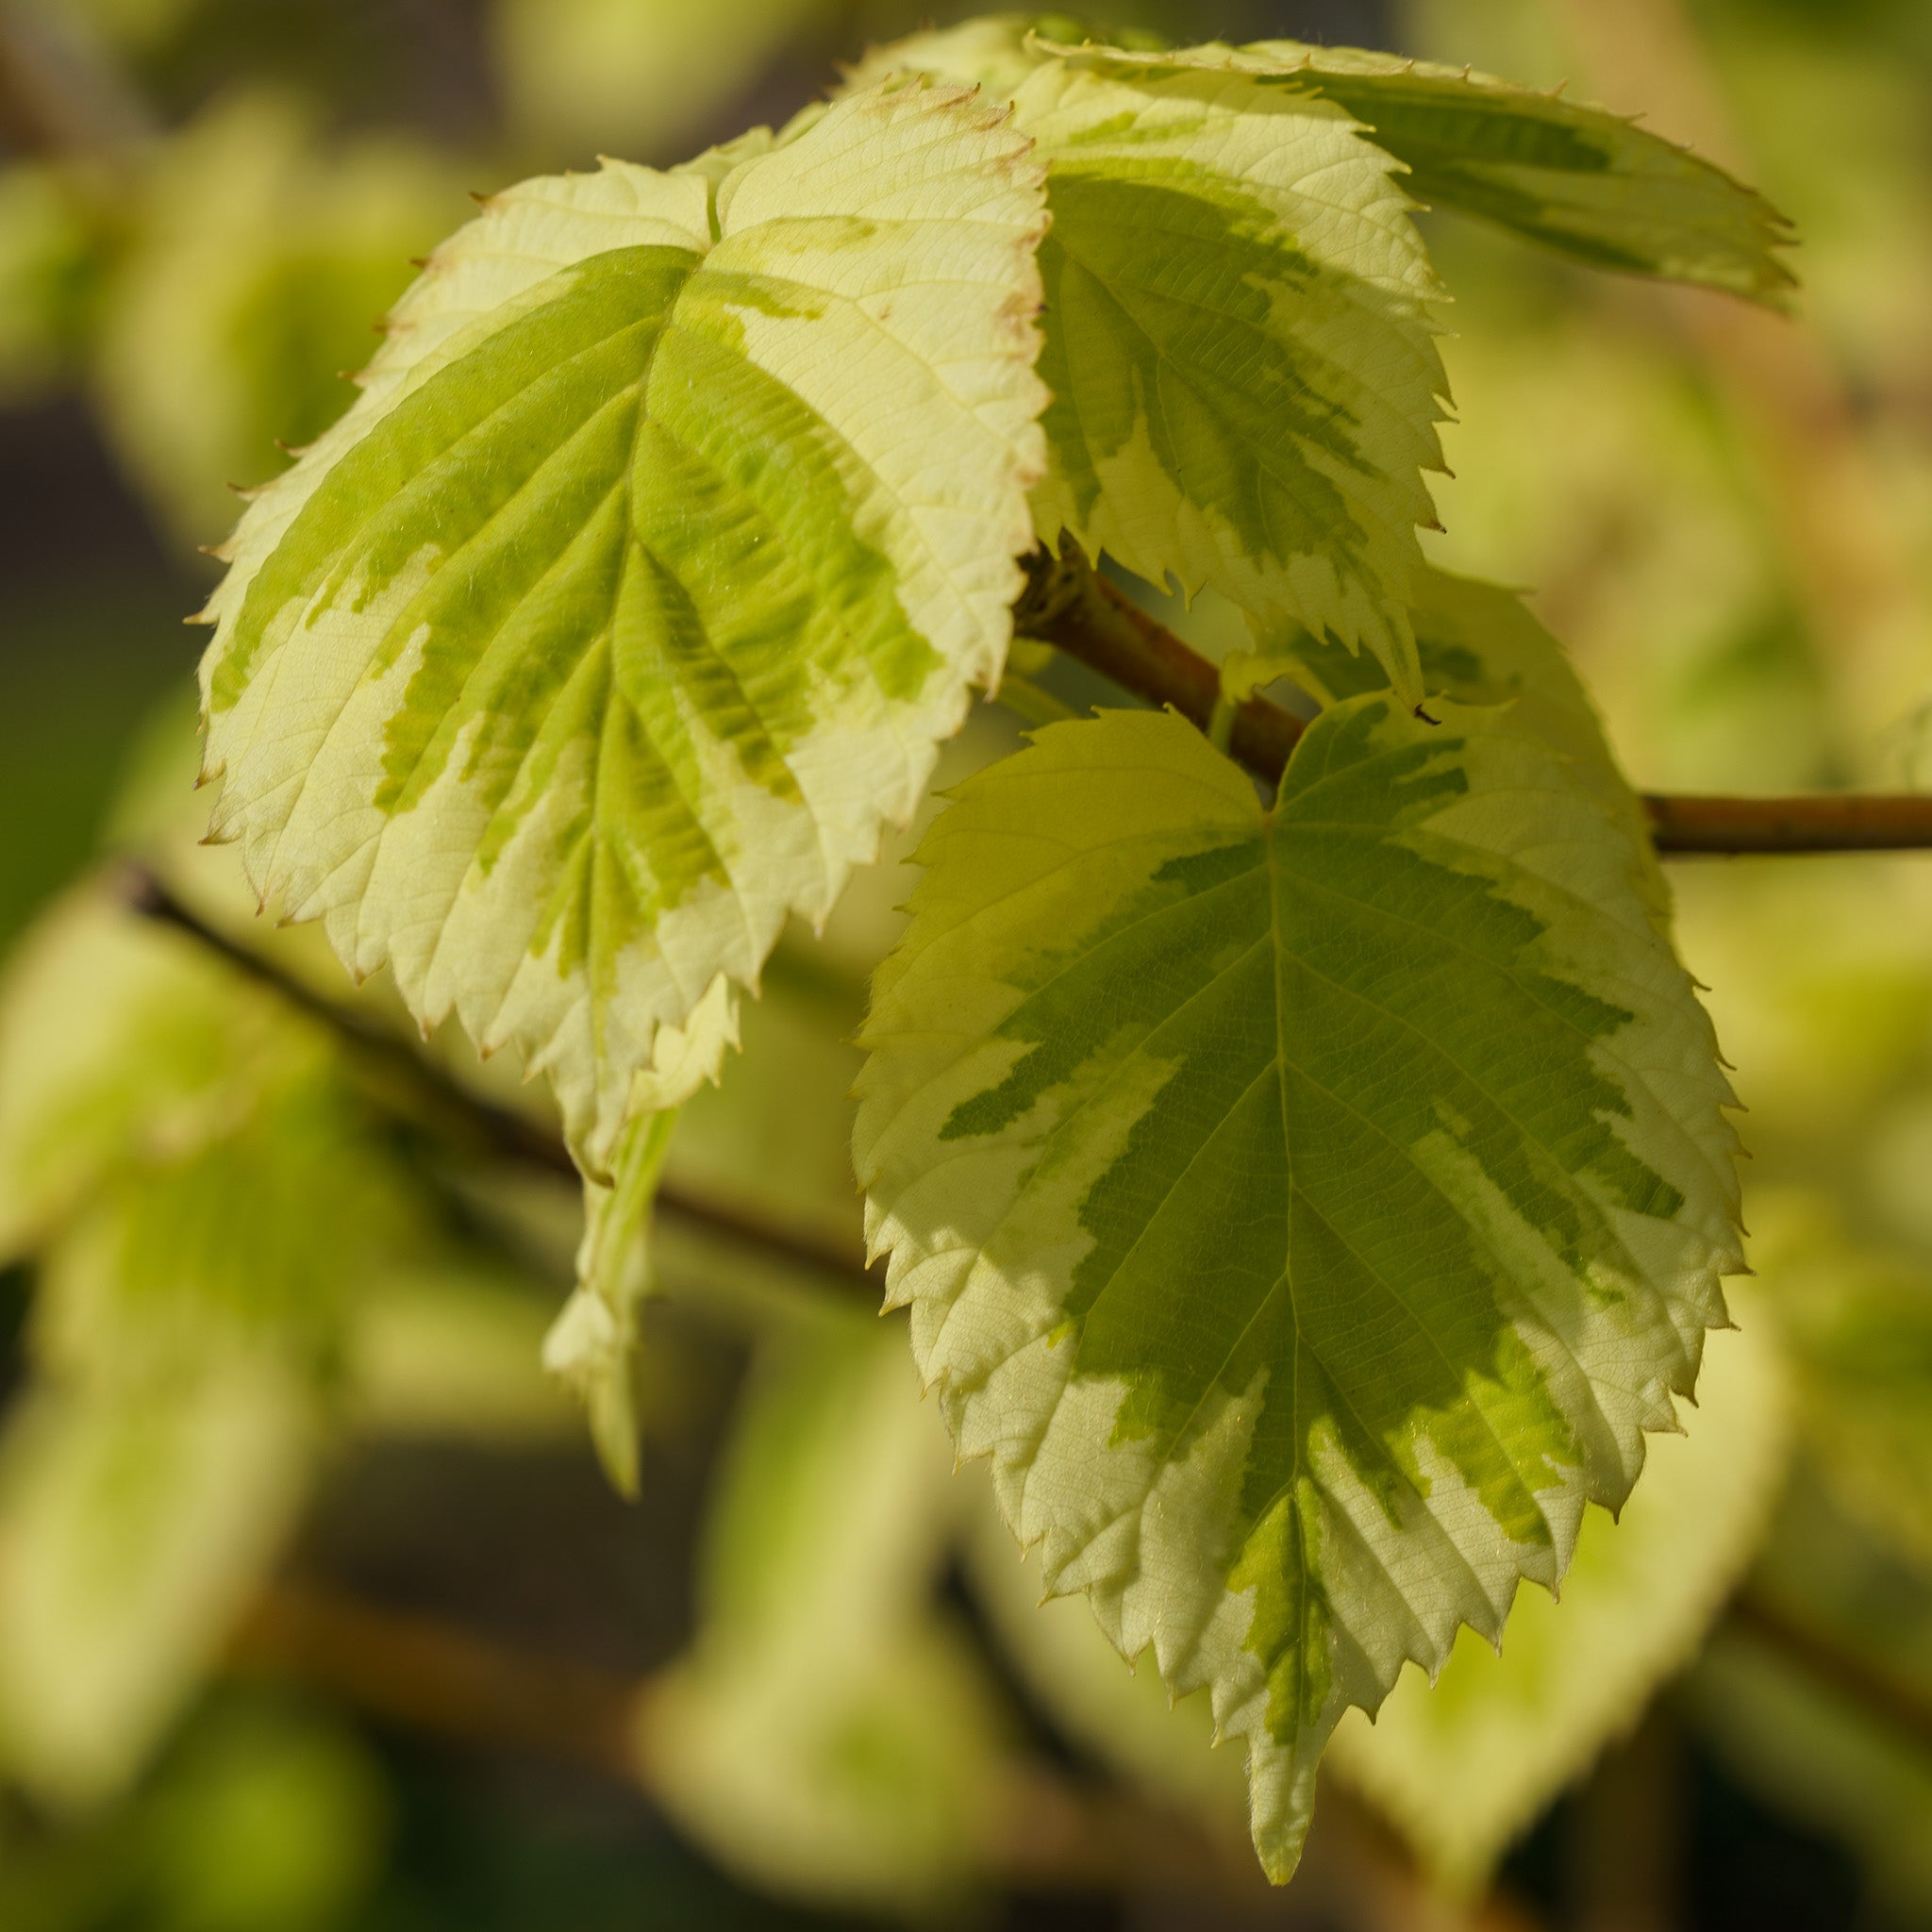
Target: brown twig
x=1045 y=1833
x=59 y=93
x=1898 y=1704
x=431 y=1675
x=424 y=1090
x=1827 y=821
x=1069 y=606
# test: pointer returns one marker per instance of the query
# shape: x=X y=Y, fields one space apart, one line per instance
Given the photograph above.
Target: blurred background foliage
x=314 y=1610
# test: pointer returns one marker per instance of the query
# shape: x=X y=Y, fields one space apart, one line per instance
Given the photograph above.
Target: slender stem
x=1897 y=1704
x=419 y=1089
x=1828 y=822
x=1067 y=604
x=432 y=1675
x=1045 y=1832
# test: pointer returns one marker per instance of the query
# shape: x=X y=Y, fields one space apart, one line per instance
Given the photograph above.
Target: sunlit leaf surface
x=1308 y=1210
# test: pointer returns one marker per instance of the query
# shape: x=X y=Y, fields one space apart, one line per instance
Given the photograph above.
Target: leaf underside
x=1307 y=1210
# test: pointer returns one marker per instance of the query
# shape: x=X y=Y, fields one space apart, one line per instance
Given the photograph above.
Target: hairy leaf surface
x=1246 y=384
x=1307 y=1209
x=675 y=519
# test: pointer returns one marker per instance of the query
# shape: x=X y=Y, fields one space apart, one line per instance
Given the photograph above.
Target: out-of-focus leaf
x=122 y=1042
x=264 y=1815
x=1463 y=1766
x=1838 y=1755
x=454 y=1353
x=212 y=1205
x=262 y=1236
x=182 y=1157
x=185 y=1147
x=638 y=77
x=47 y=278
x=1820 y=983
x=260 y=261
x=267 y=1819
x=829 y=1735
x=1123 y=1714
x=133 y=1524
x=1860 y=1327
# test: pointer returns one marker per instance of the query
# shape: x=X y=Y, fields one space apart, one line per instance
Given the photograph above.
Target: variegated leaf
x=592 y=1342
x=1308 y=1210
x=1238 y=337
x=1461 y=1767
x=1478 y=644
x=1580 y=181
x=1568 y=176
x=676 y=517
